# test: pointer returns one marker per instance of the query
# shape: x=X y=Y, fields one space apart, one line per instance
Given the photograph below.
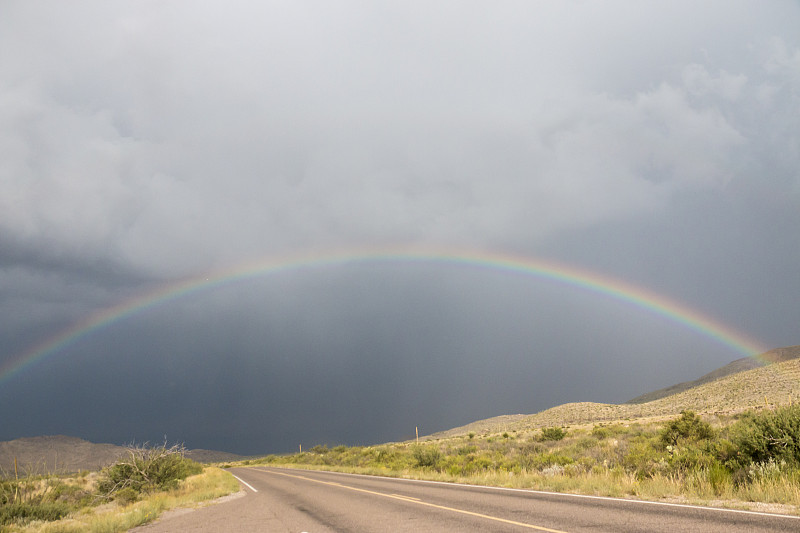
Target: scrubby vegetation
x=753 y=457
x=40 y=498
x=139 y=486
x=146 y=470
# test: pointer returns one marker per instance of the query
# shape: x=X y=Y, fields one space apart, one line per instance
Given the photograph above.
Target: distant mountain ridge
x=62 y=454
x=778 y=355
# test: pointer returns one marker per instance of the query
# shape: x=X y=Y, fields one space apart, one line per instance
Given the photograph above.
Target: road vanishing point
x=286 y=500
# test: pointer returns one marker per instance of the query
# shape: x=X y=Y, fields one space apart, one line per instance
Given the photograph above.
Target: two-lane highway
x=284 y=500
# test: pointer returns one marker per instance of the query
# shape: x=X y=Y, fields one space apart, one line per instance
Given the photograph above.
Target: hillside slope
x=56 y=454
x=777 y=355
x=61 y=454
x=776 y=384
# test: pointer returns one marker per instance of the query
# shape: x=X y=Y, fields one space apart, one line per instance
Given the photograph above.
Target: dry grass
x=212 y=483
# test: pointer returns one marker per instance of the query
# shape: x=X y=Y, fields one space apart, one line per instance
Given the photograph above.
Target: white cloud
x=699 y=82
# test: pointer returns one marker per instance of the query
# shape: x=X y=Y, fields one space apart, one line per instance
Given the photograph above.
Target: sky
x=146 y=143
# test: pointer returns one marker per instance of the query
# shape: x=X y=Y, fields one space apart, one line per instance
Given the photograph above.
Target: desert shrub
x=385 y=456
x=466 y=450
x=586 y=463
x=601 y=432
x=63 y=492
x=689 y=427
x=457 y=465
x=531 y=448
x=147 y=469
x=126 y=495
x=724 y=450
x=585 y=443
x=768 y=435
x=696 y=457
x=642 y=458
x=554 y=433
x=427 y=456
x=548 y=459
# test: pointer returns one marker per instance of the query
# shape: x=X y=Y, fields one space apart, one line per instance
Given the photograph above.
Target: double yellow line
x=417 y=501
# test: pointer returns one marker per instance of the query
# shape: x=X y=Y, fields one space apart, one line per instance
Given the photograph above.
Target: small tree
x=688 y=428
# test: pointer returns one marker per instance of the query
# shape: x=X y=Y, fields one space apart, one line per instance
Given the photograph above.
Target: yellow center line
x=407 y=497
x=420 y=502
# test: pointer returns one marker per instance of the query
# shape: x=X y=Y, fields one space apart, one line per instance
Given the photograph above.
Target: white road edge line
x=564 y=494
x=248 y=485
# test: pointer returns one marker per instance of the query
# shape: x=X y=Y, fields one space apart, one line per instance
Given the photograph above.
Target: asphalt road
x=296 y=501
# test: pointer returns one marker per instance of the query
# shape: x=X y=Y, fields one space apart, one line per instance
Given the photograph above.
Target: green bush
x=767 y=436
x=642 y=458
x=553 y=433
x=688 y=428
x=427 y=456
x=691 y=458
x=466 y=450
x=126 y=495
x=146 y=470
x=544 y=460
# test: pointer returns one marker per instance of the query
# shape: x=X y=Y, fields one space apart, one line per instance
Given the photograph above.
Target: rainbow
x=594 y=282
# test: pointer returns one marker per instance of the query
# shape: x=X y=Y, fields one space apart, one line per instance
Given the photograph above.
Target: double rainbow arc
x=555 y=272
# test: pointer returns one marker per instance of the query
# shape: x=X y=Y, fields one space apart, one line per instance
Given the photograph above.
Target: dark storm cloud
x=144 y=142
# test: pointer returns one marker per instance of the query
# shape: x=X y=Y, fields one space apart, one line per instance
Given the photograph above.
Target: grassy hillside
x=777 y=355
x=776 y=384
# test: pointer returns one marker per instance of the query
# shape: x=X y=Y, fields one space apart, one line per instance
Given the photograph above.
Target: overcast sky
x=146 y=142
